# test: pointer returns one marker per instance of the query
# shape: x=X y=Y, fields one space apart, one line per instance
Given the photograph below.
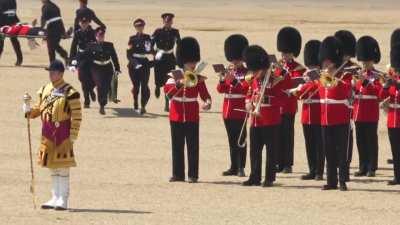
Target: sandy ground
x=125 y=160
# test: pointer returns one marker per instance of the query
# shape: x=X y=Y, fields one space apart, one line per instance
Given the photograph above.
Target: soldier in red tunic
x=334 y=90
x=289 y=44
x=234 y=87
x=390 y=93
x=184 y=111
x=264 y=106
x=366 y=106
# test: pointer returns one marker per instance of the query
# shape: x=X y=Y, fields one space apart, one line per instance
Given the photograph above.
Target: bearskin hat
x=395 y=57
x=188 y=50
x=234 y=46
x=395 y=37
x=348 y=42
x=311 y=50
x=289 y=41
x=368 y=49
x=331 y=49
x=256 y=58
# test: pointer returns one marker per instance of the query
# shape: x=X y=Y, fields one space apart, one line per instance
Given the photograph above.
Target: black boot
x=360 y=173
x=267 y=183
x=102 y=111
x=393 y=182
x=309 y=176
x=343 y=186
x=251 y=183
x=230 y=172
x=92 y=95
x=241 y=173
x=157 y=92
x=329 y=187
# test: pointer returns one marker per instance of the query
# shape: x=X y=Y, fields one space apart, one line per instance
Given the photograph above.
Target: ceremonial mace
x=27 y=101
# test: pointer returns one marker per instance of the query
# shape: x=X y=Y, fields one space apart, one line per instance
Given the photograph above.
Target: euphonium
x=327 y=80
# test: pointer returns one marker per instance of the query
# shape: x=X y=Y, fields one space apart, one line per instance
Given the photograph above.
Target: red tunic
x=393 y=116
x=335 y=108
x=366 y=102
x=235 y=94
x=311 y=110
x=183 y=104
x=270 y=110
x=295 y=71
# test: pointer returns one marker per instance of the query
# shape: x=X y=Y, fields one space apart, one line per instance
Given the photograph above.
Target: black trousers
x=259 y=137
x=367 y=145
x=286 y=143
x=394 y=138
x=102 y=76
x=53 y=46
x=314 y=149
x=140 y=81
x=162 y=68
x=350 y=138
x=335 y=142
x=16 y=45
x=87 y=82
x=180 y=133
x=237 y=154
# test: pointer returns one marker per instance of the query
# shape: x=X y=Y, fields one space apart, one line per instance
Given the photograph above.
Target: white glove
x=138 y=66
x=72 y=69
x=74 y=62
x=159 y=55
x=26 y=108
x=147 y=46
x=207 y=105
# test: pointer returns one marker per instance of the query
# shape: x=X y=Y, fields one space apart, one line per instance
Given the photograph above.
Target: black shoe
x=390 y=161
x=143 y=111
x=319 y=177
x=192 y=180
x=360 y=174
x=241 y=173
x=251 y=183
x=157 y=92
x=343 y=187
x=60 y=208
x=92 y=96
x=279 y=169
x=371 y=174
x=287 y=169
x=308 y=177
x=86 y=106
x=176 y=179
x=268 y=184
x=230 y=172
x=46 y=207
x=329 y=187
x=102 y=111
x=393 y=182
x=19 y=62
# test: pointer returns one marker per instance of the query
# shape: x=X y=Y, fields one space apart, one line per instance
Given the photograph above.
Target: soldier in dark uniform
x=139 y=65
x=90 y=14
x=8 y=16
x=104 y=63
x=164 y=40
x=51 y=21
x=82 y=37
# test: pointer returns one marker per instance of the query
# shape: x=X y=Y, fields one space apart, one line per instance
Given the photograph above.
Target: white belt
x=394 y=106
x=266 y=105
x=10 y=12
x=334 y=101
x=183 y=99
x=234 y=96
x=142 y=56
x=80 y=50
x=52 y=20
x=102 y=63
x=365 y=97
x=311 y=101
x=166 y=52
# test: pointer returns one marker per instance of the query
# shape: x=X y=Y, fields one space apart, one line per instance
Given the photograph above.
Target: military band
x=8 y=16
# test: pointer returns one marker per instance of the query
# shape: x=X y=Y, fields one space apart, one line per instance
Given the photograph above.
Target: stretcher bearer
x=164 y=40
x=234 y=87
x=59 y=108
x=390 y=93
x=8 y=16
x=139 y=65
x=91 y=15
x=51 y=21
x=82 y=37
x=366 y=106
x=263 y=101
x=184 y=114
x=289 y=44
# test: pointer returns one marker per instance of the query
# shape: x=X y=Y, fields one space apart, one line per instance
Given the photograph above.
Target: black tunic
x=50 y=11
x=90 y=14
x=81 y=40
x=8 y=18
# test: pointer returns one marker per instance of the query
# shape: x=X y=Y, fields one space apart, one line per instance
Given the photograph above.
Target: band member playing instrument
x=51 y=21
x=234 y=87
x=334 y=90
x=289 y=44
x=311 y=113
x=164 y=40
x=59 y=108
x=348 y=41
x=8 y=16
x=366 y=106
x=139 y=65
x=104 y=63
x=390 y=93
x=83 y=6
x=184 y=113
x=82 y=37
x=263 y=102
